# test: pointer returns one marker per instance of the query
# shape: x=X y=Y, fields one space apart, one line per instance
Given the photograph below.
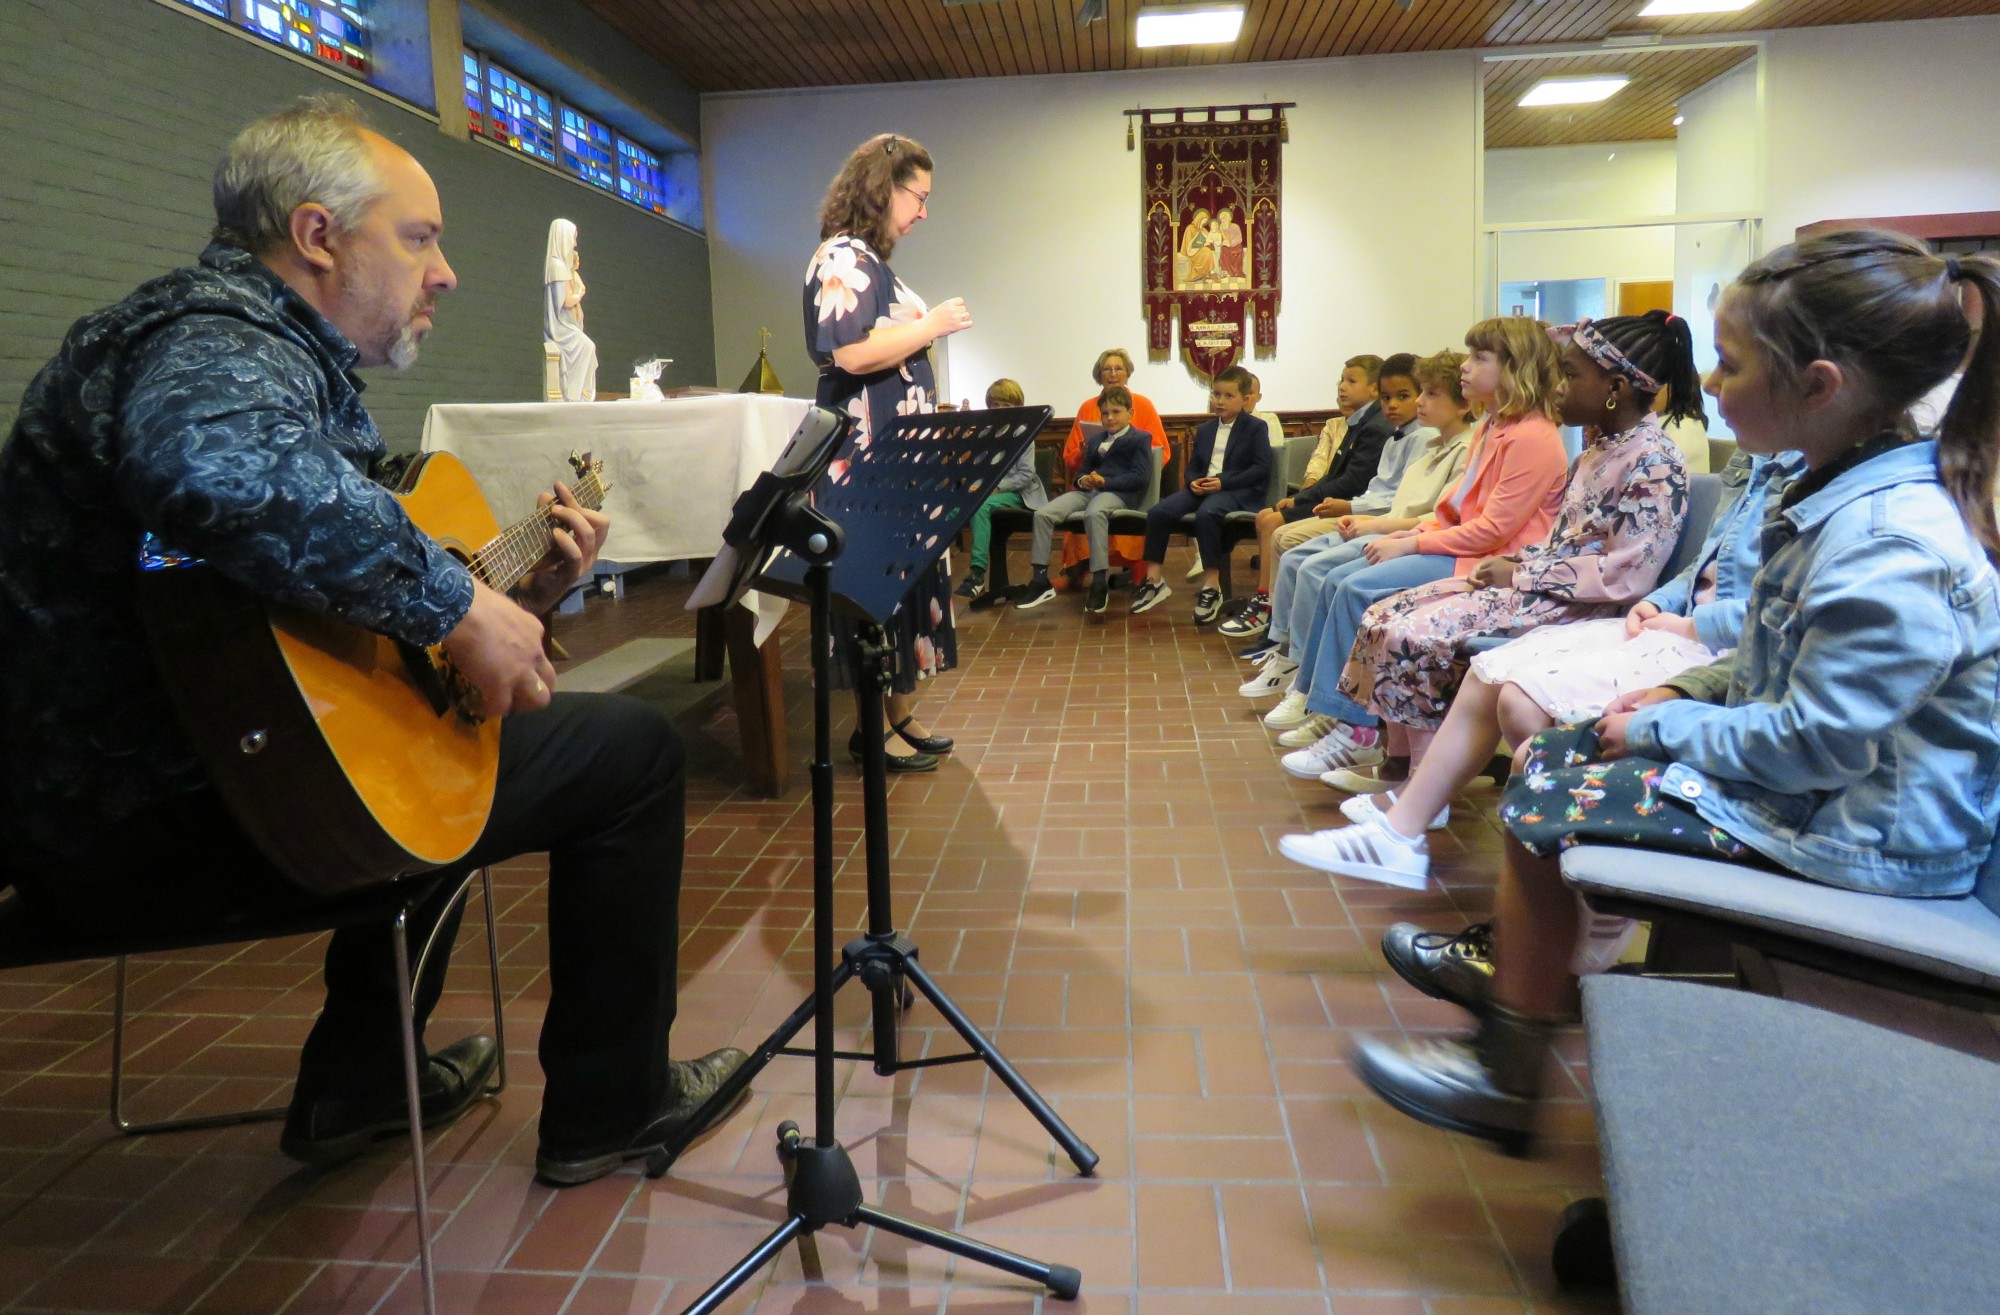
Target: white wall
x=1610 y=180
x=1881 y=119
x=1035 y=218
x=1718 y=157
x=1720 y=171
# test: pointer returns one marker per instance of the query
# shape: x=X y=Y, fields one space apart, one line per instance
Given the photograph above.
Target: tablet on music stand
x=811 y=449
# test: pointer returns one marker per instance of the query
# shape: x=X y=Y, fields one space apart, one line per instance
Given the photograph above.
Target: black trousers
x=1209 y=509
x=595 y=780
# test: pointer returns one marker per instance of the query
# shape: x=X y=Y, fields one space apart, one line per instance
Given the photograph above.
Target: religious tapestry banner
x=1210 y=240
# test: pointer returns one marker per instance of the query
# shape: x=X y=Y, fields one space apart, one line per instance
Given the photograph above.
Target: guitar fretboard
x=516 y=550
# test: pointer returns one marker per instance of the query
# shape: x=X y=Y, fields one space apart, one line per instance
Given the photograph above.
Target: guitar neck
x=516 y=550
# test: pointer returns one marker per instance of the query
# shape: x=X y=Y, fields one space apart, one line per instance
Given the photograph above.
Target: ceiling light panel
x=1574 y=91
x=1680 y=8
x=1189 y=25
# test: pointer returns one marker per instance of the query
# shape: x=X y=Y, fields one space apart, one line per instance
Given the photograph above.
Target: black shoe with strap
x=938 y=744
x=325 y=1129
x=908 y=762
x=692 y=1083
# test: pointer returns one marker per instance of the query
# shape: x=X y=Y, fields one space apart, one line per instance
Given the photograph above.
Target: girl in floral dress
x=1620 y=520
x=870 y=336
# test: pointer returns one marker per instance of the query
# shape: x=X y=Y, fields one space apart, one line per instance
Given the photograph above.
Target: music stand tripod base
x=824 y=1188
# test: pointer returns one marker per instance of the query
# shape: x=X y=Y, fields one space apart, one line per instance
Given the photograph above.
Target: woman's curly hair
x=857 y=201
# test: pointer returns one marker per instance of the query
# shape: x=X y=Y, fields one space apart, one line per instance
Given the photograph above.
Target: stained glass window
x=640 y=179
x=335 y=31
x=519 y=115
x=220 y=8
x=475 y=102
x=586 y=149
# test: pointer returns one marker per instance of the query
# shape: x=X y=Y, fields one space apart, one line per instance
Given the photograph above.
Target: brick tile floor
x=1092 y=875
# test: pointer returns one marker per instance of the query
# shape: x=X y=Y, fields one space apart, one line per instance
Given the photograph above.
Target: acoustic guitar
x=349 y=758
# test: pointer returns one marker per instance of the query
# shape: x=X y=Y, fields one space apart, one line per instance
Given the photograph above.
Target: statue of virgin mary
x=562 y=314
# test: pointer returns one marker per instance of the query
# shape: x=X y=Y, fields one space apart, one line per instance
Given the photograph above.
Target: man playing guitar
x=216 y=408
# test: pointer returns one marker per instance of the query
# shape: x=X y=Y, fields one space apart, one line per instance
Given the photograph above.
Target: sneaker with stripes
x=1308 y=733
x=1369 y=850
x=1334 y=750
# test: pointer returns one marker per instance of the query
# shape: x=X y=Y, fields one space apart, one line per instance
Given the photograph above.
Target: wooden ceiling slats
x=733 y=45
x=1644 y=110
x=1289 y=25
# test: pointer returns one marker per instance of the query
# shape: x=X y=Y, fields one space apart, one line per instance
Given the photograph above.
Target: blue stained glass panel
x=519 y=115
x=220 y=8
x=475 y=103
x=640 y=179
x=321 y=29
x=586 y=150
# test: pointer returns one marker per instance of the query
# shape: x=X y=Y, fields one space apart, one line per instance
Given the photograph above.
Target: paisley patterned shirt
x=216 y=409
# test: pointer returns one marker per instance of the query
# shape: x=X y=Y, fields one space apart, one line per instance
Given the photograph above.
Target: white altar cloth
x=675 y=467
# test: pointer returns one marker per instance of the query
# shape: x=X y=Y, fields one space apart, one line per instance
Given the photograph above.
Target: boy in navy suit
x=1117 y=470
x=1229 y=470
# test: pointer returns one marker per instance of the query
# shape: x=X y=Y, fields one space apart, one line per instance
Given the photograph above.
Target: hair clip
x=1951 y=270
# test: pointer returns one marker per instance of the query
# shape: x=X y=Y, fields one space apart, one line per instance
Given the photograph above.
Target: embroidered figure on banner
x=1211 y=230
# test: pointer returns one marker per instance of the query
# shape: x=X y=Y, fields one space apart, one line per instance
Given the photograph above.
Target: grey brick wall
x=112 y=114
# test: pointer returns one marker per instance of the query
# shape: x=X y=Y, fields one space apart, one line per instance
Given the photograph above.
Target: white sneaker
x=1360 y=807
x=1369 y=850
x=1194 y=572
x=1333 y=749
x=1360 y=782
x=1290 y=712
x=1315 y=726
x=1274 y=677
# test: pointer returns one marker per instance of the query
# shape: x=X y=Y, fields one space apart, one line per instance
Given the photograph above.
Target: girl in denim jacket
x=1852 y=737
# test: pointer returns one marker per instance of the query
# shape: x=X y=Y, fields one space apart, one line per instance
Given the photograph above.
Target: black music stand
x=929 y=472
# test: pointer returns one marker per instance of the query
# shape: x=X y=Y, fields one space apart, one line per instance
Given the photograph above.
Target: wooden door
x=1649 y=294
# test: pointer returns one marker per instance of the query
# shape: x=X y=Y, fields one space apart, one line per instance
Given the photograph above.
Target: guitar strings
x=515 y=550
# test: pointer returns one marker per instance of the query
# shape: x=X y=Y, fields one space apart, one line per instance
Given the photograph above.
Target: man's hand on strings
x=575 y=538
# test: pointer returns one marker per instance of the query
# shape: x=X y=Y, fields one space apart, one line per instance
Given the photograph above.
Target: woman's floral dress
x=1620 y=519
x=849 y=292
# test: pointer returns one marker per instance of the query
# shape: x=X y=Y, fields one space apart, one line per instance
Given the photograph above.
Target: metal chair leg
x=485 y=879
x=406 y=1000
x=126 y=1125
x=493 y=963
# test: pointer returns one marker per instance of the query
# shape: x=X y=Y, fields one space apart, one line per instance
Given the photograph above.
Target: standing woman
x=870 y=336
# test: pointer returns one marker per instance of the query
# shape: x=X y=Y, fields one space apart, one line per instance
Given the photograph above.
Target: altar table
x=675 y=468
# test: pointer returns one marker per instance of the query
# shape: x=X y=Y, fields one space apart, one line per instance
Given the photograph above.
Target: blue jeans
x=1350 y=591
x=1300 y=574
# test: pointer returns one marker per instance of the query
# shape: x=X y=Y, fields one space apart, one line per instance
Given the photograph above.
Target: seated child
x=1019 y=487
x=1564 y=675
x=1852 y=738
x=1621 y=518
x=1279 y=531
x=1117 y=470
x=1505 y=500
x=1228 y=470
